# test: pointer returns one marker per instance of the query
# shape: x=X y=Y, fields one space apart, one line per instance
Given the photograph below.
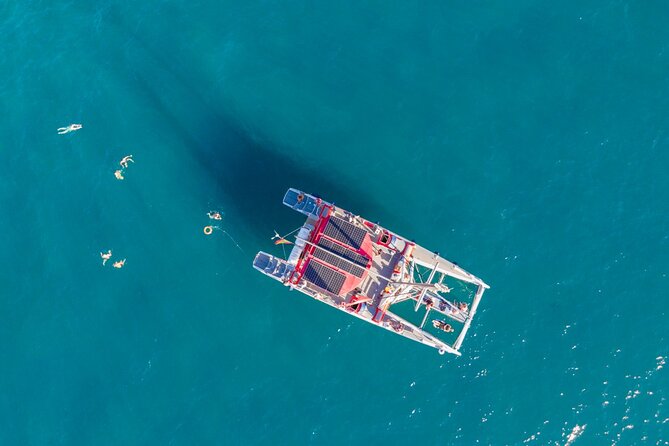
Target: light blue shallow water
x=527 y=141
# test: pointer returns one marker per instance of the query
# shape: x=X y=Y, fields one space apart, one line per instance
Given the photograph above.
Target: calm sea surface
x=528 y=141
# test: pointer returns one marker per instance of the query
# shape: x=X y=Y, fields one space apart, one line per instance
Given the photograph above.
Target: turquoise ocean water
x=526 y=140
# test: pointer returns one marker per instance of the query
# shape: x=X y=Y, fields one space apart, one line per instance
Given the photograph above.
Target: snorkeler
x=105 y=256
x=118 y=174
x=119 y=264
x=215 y=215
x=126 y=159
x=69 y=128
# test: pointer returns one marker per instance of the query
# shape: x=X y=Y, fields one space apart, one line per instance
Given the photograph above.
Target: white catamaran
x=363 y=269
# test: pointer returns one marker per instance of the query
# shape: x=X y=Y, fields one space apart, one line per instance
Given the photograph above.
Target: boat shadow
x=247 y=174
x=251 y=176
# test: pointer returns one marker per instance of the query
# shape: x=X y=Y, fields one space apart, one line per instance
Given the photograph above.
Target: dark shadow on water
x=248 y=175
x=256 y=174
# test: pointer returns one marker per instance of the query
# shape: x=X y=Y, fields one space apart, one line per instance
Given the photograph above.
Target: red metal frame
x=306 y=254
x=352 y=281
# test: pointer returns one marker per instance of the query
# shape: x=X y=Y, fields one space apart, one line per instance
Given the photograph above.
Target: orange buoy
x=208 y=230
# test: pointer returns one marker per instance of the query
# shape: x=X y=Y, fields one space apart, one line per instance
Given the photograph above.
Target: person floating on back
x=69 y=128
x=119 y=264
x=126 y=159
x=105 y=256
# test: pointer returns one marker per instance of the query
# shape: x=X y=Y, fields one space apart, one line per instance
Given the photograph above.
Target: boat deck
x=363 y=269
x=382 y=268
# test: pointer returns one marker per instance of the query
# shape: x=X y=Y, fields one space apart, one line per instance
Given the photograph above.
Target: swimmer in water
x=119 y=264
x=69 y=128
x=105 y=256
x=126 y=159
x=118 y=174
x=215 y=215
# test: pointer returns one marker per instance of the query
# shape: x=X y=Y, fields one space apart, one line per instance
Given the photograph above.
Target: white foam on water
x=576 y=432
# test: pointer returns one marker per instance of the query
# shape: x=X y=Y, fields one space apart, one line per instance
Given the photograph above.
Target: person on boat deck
x=441 y=325
x=397 y=326
x=454 y=309
x=462 y=306
x=443 y=305
x=429 y=304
